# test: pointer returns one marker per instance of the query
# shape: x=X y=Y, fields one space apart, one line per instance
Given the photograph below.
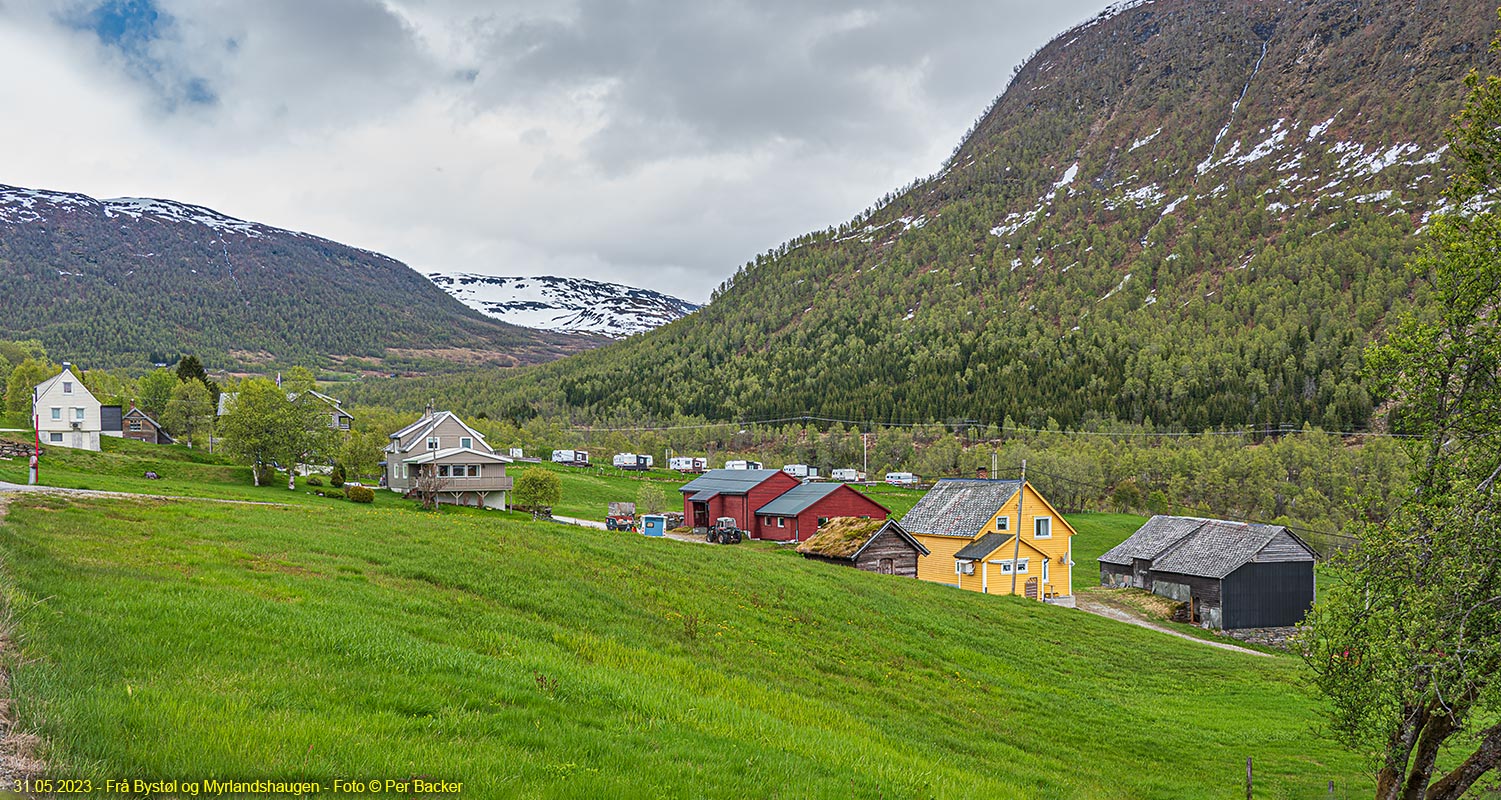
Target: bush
x=360 y=494
x=314 y=480
x=336 y=478
x=268 y=474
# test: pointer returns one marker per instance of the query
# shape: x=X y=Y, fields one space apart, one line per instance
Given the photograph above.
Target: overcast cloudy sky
x=654 y=143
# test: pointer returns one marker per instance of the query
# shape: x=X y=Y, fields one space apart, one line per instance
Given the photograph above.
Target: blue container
x=653 y=525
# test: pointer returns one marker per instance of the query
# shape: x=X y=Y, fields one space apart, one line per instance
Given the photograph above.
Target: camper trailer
x=901 y=479
x=800 y=471
x=631 y=461
x=688 y=464
x=847 y=475
x=742 y=465
x=573 y=458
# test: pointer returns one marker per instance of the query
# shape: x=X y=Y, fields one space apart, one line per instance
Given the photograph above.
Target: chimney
x=983 y=473
x=427 y=413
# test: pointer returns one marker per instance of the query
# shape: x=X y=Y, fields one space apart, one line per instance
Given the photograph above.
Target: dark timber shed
x=1231 y=574
x=874 y=545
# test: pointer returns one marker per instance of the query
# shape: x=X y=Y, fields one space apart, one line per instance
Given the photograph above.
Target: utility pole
x=1016 y=551
x=864 y=454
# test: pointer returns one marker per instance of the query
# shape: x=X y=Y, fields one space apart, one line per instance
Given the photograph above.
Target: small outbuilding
x=874 y=545
x=137 y=424
x=1230 y=574
x=733 y=493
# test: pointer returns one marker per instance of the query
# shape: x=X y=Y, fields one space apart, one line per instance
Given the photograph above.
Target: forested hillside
x=128 y=281
x=1193 y=213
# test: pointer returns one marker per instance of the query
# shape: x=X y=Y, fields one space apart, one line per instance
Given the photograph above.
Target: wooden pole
x=1248 y=778
x=1016 y=551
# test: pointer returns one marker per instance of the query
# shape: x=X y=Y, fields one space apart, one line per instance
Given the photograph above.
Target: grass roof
x=841 y=537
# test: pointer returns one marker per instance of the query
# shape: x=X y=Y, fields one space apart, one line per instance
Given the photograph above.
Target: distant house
x=1231 y=574
x=137 y=424
x=65 y=412
x=338 y=418
x=873 y=545
x=733 y=493
x=970 y=526
x=799 y=512
x=467 y=469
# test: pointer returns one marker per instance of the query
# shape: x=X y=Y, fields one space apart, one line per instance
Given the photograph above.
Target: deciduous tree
x=190 y=411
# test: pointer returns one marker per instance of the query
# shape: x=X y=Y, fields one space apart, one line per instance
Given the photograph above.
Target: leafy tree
x=253 y=429
x=190 y=411
x=537 y=490
x=298 y=379
x=191 y=369
x=154 y=390
x=1406 y=643
x=360 y=453
x=23 y=379
x=305 y=433
x=336 y=476
x=650 y=498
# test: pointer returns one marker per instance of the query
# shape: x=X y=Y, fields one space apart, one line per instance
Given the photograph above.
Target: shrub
x=314 y=480
x=268 y=474
x=360 y=494
x=336 y=478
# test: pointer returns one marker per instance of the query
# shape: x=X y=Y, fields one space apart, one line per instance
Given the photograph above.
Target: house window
x=1021 y=566
x=442 y=470
x=1003 y=523
x=135 y=426
x=474 y=470
x=1042 y=528
x=344 y=423
x=1044 y=572
x=78 y=414
x=55 y=437
x=781 y=522
x=466 y=442
x=432 y=443
x=57 y=413
x=67 y=387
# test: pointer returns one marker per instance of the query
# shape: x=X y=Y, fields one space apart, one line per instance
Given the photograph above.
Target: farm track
x=1094 y=606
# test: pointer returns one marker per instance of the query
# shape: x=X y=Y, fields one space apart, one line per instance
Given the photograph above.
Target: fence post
x=1248 y=778
x=1331 y=790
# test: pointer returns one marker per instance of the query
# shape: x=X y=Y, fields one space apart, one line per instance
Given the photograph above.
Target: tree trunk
x=1436 y=729
x=1485 y=758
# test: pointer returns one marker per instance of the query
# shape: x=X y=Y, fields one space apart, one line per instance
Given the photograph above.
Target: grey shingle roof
x=983 y=546
x=1152 y=539
x=796 y=500
x=729 y=481
x=1216 y=548
x=958 y=506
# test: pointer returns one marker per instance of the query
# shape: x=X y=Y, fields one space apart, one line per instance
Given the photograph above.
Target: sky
x=652 y=143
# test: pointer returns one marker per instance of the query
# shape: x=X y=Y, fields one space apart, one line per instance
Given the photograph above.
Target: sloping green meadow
x=185 y=641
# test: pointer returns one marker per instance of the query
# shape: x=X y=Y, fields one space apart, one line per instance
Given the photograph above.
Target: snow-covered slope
x=564 y=305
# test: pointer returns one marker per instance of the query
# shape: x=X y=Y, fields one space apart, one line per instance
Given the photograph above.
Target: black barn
x=1231 y=574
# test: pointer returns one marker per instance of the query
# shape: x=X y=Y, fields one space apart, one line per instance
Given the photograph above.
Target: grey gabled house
x=1230 y=574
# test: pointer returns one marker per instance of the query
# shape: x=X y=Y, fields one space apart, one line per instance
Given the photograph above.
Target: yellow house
x=969 y=527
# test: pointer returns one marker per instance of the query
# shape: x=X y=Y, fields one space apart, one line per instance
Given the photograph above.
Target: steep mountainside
x=564 y=305
x=1193 y=212
x=114 y=281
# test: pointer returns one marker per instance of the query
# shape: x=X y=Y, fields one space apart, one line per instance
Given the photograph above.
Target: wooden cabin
x=1229 y=574
x=874 y=545
x=137 y=424
x=993 y=536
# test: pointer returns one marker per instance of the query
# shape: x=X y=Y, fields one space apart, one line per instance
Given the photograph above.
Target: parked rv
x=847 y=475
x=574 y=458
x=517 y=452
x=800 y=471
x=632 y=461
x=688 y=464
x=901 y=479
x=742 y=465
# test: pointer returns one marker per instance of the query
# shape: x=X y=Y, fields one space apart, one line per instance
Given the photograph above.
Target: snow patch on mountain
x=564 y=305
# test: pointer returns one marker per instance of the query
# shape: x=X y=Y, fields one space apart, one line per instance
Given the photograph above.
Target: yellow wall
x=939 y=565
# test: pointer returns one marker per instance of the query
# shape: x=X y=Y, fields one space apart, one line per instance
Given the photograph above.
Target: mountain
x=564 y=305
x=111 y=282
x=1193 y=213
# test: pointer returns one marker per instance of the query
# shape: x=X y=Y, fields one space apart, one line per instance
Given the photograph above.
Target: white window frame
x=57 y=413
x=443 y=471
x=1004 y=565
x=781 y=522
x=466 y=442
x=67 y=387
x=1021 y=569
x=432 y=443
x=135 y=426
x=1003 y=523
x=1044 y=570
x=55 y=437
x=1035 y=534
x=78 y=415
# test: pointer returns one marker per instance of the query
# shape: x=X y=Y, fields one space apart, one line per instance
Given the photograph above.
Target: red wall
x=743 y=507
x=843 y=502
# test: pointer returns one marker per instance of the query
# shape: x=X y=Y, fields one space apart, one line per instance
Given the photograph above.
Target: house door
x=886 y=566
x=1194 y=610
x=700 y=515
x=1031 y=588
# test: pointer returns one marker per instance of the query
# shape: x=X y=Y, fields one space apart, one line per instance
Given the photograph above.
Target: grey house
x=467 y=469
x=1231 y=574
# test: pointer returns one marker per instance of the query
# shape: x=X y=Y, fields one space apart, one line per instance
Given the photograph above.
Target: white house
x=66 y=413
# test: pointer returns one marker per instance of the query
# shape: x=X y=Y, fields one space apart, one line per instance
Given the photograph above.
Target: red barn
x=733 y=493
x=796 y=514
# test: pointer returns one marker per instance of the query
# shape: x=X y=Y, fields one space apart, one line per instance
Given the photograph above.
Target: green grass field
x=188 y=640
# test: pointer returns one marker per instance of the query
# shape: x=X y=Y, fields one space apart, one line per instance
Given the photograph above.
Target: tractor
x=725 y=531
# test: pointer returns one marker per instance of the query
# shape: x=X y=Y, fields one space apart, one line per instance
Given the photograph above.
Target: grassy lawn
x=182 y=640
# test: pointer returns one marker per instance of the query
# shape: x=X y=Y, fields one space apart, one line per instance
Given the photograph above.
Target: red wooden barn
x=796 y=513
x=733 y=493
